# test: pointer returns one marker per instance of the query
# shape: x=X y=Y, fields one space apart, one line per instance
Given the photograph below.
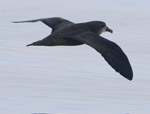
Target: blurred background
x=73 y=80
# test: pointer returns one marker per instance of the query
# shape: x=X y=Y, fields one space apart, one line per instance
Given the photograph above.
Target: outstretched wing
x=56 y=23
x=112 y=53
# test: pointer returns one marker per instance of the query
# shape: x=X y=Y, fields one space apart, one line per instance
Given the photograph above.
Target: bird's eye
x=102 y=25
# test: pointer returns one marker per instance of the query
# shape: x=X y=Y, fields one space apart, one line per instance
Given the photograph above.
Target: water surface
x=73 y=80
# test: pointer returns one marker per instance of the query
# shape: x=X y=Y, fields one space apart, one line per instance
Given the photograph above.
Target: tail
x=29 y=45
x=38 y=43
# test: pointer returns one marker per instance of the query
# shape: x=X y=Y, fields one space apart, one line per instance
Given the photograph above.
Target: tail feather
x=29 y=45
x=38 y=43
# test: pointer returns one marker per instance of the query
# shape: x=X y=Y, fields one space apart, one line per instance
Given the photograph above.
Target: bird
x=67 y=33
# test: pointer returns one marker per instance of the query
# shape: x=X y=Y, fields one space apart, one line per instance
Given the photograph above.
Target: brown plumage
x=67 y=33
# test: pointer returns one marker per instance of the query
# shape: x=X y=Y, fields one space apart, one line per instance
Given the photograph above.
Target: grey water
x=73 y=80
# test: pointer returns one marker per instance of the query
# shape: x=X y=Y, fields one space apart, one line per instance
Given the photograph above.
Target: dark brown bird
x=67 y=33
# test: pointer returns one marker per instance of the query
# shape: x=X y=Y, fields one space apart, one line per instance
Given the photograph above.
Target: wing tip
x=130 y=78
x=16 y=22
x=129 y=75
x=19 y=21
x=36 y=20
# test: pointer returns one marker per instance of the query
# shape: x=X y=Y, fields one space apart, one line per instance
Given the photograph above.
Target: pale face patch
x=103 y=30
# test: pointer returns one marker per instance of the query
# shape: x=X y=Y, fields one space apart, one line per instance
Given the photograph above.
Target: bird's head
x=99 y=27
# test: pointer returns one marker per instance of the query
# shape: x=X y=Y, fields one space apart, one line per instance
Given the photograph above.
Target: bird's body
x=63 y=37
x=67 y=33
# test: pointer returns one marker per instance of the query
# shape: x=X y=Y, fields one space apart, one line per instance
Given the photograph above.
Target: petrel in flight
x=67 y=33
